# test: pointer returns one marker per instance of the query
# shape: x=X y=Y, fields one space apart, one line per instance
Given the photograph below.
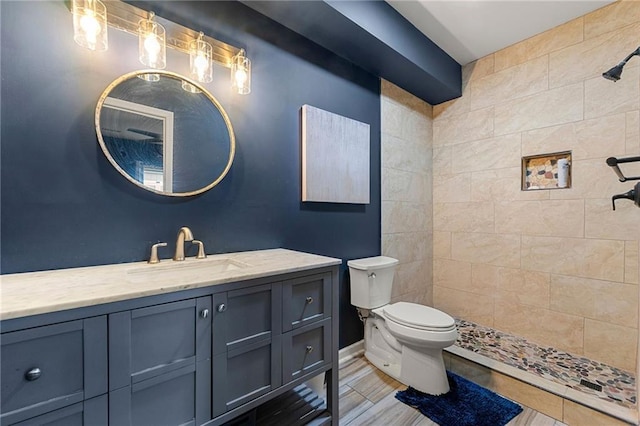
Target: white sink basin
x=185 y=270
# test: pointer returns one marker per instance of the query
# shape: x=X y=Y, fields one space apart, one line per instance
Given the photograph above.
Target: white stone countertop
x=42 y=292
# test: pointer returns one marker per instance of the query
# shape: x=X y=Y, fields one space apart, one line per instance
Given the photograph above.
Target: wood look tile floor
x=367 y=397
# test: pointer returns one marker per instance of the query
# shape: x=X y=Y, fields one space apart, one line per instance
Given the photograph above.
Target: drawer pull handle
x=33 y=374
x=222 y=307
x=309 y=349
x=204 y=313
x=309 y=300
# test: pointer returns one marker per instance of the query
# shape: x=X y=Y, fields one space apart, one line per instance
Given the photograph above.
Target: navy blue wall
x=63 y=205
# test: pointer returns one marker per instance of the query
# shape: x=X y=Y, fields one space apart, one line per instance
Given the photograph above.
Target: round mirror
x=165 y=133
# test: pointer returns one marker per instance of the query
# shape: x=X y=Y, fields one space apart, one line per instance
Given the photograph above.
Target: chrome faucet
x=184 y=234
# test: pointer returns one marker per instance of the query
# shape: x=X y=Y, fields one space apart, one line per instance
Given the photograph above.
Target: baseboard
x=349 y=352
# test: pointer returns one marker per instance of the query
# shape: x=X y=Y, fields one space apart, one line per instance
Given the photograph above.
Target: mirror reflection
x=169 y=136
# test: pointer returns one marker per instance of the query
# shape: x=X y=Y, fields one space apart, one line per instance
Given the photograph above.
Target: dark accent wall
x=63 y=205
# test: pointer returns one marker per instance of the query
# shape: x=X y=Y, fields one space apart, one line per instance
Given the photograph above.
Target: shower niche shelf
x=546 y=171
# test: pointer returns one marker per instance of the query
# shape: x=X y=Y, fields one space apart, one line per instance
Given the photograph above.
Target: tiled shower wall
x=406 y=192
x=558 y=267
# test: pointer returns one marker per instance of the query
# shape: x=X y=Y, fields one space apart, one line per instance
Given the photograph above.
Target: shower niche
x=546 y=171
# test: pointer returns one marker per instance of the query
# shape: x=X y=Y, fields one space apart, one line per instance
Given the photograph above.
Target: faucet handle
x=154 y=253
x=201 y=254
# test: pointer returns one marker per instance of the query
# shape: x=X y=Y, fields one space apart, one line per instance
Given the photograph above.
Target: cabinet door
x=92 y=412
x=160 y=364
x=50 y=367
x=167 y=399
x=306 y=349
x=246 y=316
x=246 y=344
x=245 y=373
x=306 y=300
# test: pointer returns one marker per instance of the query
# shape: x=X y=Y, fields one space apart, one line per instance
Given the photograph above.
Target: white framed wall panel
x=335 y=158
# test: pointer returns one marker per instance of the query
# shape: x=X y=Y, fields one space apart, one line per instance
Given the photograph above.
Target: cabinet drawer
x=306 y=300
x=306 y=349
x=50 y=367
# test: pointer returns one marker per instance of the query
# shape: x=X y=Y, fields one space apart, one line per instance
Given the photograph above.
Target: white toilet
x=405 y=340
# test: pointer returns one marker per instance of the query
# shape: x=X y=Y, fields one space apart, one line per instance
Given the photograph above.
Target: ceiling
x=470 y=29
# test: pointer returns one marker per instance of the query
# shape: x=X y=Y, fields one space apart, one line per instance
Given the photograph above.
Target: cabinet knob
x=204 y=313
x=309 y=349
x=309 y=300
x=33 y=374
x=222 y=307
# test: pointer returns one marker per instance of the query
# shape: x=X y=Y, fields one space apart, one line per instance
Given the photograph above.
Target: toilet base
x=423 y=370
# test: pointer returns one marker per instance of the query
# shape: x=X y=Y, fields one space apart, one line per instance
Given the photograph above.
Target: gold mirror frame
x=209 y=96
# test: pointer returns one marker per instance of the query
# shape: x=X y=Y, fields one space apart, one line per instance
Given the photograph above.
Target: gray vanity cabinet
x=160 y=364
x=53 y=367
x=246 y=345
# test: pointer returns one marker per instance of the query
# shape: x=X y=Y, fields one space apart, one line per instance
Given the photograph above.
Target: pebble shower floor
x=618 y=386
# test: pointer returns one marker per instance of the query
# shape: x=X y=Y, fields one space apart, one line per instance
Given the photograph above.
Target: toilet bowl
x=405 y=340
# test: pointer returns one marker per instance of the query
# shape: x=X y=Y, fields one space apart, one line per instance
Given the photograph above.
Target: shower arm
x=631 y=55
x=613 y=163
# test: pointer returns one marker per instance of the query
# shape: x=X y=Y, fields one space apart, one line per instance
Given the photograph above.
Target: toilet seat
x=419 y=317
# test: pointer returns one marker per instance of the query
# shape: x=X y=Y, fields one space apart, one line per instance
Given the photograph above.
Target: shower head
x=614 y=73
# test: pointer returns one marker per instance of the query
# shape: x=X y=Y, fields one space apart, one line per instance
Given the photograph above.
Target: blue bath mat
x=466 y=404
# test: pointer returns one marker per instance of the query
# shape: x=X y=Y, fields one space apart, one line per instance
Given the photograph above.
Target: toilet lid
x=419 y=316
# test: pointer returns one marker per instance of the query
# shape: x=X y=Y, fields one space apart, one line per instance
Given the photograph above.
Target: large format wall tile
x=611 y=344
x=577 y=414
x=466 y=127
x=602 y=222
x=452 y=188
x=463 y=217
x=441 y=245
x=462 y=304
x=399 y=216
x=610 y=18
x=519 y=81
x=411 y=156
x=521 y=287
x=494 y=249
x=606 y=301
x=452 y=274
x=549 y=41
x=633 y=133
x=549 y=108
x=603 y=97
x=542 y=326
x=600 y=259
x=412 y=277
x=406 y=246
x=596 y=138
x=564 y=218
x=502 y=185
x=477 y=69
x=493 y=153
x=400 y=185
x=631 y=262
x=442 y=159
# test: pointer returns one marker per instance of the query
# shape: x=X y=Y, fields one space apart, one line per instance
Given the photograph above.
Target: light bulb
x=91 y=27
x=152 y=46
x=202 y=65
x=241 y=77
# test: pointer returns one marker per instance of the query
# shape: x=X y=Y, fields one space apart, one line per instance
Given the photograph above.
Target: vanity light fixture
x=90 y=24
x=200 y=60
x=241 y=73
x=152 y=46
x=155 y=34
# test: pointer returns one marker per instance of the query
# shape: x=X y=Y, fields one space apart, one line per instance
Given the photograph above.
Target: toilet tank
x=371 y=280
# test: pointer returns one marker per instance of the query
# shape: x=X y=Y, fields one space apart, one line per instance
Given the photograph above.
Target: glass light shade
x=152 y=46
x=241 y=73
x=90 y=24
x=200 y=53
x=188 y=87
